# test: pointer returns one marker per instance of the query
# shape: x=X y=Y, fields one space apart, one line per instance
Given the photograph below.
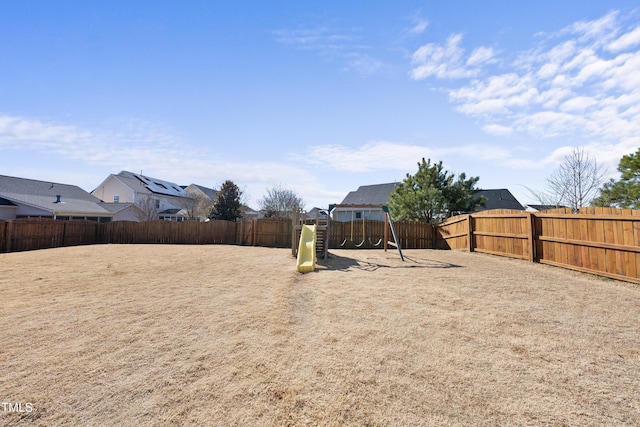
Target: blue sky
x=316 y=97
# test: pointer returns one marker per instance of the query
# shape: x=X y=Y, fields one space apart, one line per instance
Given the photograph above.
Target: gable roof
x=377 y=194
x=146 y=184
x=5 y=202
x=116 y=207
x=44 y=195
x=498 y=199
x=209 y=192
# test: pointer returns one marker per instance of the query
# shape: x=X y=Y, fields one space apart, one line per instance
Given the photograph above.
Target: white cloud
x=578 y=104
x=598 y=31
x=37 y=133
x=377 y=155
x=364 y=64
x=385 y=155
x=446 y=60
x=335 y=44
x=625 y=41
x=133 y=145
x=420 y=26
x=497 y=130
x=321 y=39
x=481 y=55
x=569 y=84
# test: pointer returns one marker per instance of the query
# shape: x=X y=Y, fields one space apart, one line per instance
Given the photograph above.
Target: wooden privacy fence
x=43 y=233
x=601 y=241
x=368 y=234
x=188 y=232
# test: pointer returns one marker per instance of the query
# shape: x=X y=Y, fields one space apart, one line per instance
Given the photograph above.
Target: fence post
x=254 y=231
x=470 y=224
x=531 y=237
x=9 y=235
x=3 y=243
x=64 y=234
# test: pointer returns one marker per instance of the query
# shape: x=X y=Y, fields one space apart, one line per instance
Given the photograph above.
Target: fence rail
x=600 y=241
x=369 y=234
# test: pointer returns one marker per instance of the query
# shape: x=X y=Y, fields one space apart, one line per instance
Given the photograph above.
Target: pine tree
x=433 y=194
x=227 y=205
x=624 y=193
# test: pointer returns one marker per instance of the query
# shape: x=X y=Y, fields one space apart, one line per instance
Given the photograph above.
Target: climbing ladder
x=388 y=223
x=322 y=231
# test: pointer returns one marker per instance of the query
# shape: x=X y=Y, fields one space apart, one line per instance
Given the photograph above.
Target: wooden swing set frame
x=388 y=226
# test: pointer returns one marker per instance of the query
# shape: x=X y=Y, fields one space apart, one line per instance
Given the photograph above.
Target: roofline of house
x=367 y=206
x=57 y=212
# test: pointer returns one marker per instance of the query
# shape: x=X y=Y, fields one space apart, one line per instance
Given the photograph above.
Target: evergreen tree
x=433 y=194
x=227 y=205
x=624 y=193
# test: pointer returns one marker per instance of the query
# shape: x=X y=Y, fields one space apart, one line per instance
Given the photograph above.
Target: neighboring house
x=203 y=197
x=165 y=198
x=208 y=196
x=124 y=211
x=249 y=213
x=364 y=203
x=195 y=190
x=316 y=213
x=497 y=199
x=367 y=201
x=28 y=198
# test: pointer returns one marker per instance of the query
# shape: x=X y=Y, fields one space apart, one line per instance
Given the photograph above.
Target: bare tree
x=148 y=209
x=196 y=207
x=279 y=202
x=575 y=182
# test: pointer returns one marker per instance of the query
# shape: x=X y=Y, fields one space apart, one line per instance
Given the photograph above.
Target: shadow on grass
x=342 y=263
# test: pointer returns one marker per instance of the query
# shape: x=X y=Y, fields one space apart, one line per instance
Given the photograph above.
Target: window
x=358 y=215
x=116 y=199
x=157 y=203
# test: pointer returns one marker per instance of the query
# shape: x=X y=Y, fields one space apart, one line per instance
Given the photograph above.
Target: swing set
x=387 y=226
x=364 y=230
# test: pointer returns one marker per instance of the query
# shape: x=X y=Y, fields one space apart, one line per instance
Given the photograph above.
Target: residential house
x=364 y=203
x=124 y=211
x=497 y=199
x=367 y=201
x=206 y=197
x=203 y=197
x=157 y=198
x=250 y=213
x=316 y=212
x=28 y=198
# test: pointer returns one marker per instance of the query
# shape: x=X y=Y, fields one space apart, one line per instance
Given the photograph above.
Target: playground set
x=310 y=236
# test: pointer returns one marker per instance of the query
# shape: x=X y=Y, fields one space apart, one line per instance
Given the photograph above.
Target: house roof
x=146 y=184
x=43 y=195
x=546 y=207
x=209 y=192
x=116 y=207
x=498 y=199
x=377 y=194
x=5 y=202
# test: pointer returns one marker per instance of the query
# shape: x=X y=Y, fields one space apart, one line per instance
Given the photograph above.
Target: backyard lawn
x=228 y=335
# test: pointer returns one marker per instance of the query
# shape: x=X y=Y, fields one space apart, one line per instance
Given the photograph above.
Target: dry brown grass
x=227 y=335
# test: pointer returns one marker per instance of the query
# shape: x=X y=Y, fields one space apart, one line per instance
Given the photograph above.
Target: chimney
x=58 y=199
